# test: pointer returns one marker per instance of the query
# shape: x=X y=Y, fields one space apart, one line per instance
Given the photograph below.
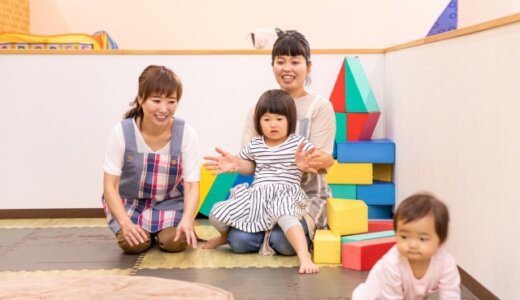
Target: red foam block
x=380 y=225
x=363 y=255
x=360 y=126
x=338 y=97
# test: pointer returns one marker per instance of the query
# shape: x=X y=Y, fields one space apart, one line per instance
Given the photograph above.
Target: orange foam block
x=380 y=225
x=363 y=255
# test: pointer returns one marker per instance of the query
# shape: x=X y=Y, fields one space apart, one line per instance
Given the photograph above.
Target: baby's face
x=417 y=240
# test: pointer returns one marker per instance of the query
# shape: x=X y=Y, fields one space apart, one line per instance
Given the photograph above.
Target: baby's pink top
x=392 y=278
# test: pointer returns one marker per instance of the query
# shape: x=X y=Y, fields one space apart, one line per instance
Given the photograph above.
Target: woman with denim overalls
x=152 y=170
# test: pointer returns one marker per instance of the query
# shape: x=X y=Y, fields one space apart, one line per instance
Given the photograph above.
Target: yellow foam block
x=347 y=216
x=206 y=181
x=347 y=173
x=383 y=172
x=327 y=247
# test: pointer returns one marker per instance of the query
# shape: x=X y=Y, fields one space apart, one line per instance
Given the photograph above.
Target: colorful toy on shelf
x=19 y=41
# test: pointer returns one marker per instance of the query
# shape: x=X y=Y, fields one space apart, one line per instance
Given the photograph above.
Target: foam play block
x=338 y=95
x=347 y=216
x=360 y=126
x=206 y=181
x=380 y=225
x=360 y=97
x=327 y=247
x=378 y=193
x=341 y=127
x=367 y=236
x=218 y=191
x=345 y=191
x=376 y=151
x=363 y=255
x=346 y=173
x=447 y=20
x=243 y=179
x=380 y=211
x=382 y=172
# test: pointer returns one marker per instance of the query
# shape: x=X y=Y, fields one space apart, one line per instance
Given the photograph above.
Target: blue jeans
x=246 y=242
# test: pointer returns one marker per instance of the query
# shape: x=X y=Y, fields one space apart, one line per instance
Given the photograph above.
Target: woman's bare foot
x=307 y=266
x=215 y=242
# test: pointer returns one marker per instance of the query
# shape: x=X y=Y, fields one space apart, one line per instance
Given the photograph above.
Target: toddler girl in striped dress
x=278 y=158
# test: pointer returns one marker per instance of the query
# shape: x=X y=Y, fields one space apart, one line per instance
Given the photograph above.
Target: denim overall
x=151 y=185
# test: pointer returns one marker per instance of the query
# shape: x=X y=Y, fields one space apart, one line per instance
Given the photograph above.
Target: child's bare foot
x=215 y=242
x=308 y=267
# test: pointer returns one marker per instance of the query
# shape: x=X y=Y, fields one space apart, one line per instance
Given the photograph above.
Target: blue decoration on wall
x=447 y=21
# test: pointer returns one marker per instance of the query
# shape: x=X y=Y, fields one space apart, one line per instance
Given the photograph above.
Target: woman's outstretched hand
x=225 y=163
x=305 y=160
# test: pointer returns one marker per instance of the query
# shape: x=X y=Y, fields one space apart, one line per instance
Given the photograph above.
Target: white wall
x=59 y=110
x=453 y=112
x=225 y=24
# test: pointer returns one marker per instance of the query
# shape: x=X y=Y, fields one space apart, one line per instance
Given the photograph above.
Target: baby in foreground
x=418 y=265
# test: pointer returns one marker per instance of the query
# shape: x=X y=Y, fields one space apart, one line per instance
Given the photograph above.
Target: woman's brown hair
x=154 y=81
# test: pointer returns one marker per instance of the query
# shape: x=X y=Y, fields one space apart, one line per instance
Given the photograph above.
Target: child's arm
x=449 y=283
x=391 y=281
x=228 y=163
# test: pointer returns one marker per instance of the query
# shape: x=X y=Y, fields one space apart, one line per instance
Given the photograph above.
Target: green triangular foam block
x=218 y=191
x=359 y=94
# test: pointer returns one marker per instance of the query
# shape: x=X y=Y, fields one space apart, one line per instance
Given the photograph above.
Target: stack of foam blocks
x=360 y=212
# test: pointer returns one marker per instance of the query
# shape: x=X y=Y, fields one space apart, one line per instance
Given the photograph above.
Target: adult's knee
x=165 y=240
x=244 y=242
x=280 y=244
x=135 y=249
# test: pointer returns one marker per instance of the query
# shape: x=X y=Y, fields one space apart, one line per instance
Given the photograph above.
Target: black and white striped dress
x=275 y=192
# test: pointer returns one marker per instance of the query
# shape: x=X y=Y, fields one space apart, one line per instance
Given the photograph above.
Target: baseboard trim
x=475 y=287
x=53 y=213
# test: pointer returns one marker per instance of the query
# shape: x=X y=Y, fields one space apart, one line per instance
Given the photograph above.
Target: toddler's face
x=417 y=240
x=274 y=128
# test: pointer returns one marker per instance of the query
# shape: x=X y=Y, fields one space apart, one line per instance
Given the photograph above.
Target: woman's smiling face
x=290 y=73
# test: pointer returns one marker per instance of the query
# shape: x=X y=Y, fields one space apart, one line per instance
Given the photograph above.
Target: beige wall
x=225 y=24
x=452 y=110
x=472 y=12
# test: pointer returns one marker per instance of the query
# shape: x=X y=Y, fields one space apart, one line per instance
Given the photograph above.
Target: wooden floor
x=67 y=247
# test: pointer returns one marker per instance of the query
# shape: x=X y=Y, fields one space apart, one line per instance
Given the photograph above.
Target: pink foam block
x=363 y=255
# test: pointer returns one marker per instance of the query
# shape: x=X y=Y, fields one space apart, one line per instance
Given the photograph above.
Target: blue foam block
x=378 y=193
x=376 y=151
x=380 y=212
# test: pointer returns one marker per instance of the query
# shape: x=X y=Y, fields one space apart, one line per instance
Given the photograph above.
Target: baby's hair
x=420 y=205
x=154 y=81
x=276 y=102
